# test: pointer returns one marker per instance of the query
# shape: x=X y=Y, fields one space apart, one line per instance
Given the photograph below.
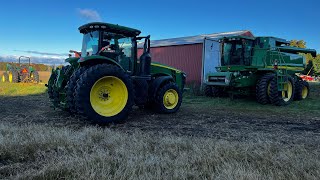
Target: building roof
x=195 y=39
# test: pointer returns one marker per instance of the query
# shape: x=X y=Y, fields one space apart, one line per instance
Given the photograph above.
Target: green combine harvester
x=265 y=66
x=21 y=72
x=108 y=78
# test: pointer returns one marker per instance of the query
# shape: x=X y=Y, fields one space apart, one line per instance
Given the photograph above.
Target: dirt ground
x=193 y=119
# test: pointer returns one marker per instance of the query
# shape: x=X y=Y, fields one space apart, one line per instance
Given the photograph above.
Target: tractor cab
x=104 y=41
x=24 y=67
x=111 y=45
x=236 y=51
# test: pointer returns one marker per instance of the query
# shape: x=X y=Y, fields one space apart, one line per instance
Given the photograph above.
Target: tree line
x=38 y=67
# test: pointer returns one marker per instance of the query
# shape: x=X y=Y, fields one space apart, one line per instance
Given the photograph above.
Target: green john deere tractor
x=21 y=72
x=265 y=66
x=108 y=78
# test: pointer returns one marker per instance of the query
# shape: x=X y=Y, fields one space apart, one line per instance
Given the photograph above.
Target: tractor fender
x=157 y=83
x=72 y=60
x=96 y=59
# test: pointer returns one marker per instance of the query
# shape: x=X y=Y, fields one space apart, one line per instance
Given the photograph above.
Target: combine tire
x=281 y=98
x=302 y=90
x=263 y=89
x=208 y=91
x=213 y=91
x=104 y=94
x=13 y=77
x=168 y=98
x=5 y=77
x=71 y=86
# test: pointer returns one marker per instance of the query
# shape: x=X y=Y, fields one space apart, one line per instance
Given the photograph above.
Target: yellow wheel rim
x=170 y=99
x=10 y=77
x=304 y=92
x=287 y=92
x=3 y=78
x=108 y=96
x=31 y=75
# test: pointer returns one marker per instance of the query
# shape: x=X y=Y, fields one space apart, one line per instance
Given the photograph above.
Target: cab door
x=210 y=57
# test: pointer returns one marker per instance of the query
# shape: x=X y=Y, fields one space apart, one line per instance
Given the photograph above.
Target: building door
x=210 y=58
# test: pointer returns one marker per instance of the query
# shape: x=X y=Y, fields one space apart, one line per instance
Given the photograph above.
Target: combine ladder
x=282 y=71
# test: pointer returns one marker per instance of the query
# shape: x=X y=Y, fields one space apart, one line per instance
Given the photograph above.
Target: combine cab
x=108 y=78
x=265 y=66
x=23 y=72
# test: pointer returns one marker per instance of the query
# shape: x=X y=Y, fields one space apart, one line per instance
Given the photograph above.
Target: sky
x=47 y=30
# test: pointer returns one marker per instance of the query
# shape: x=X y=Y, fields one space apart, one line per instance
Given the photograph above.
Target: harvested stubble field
x=206 y=139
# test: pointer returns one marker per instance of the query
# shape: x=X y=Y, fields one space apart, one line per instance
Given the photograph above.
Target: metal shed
x=195 y=55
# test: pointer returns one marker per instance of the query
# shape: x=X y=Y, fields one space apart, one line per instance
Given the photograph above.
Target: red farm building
x=189 y=53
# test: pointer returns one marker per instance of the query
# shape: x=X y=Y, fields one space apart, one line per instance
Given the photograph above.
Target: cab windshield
x=236 y=52
x=90 y=44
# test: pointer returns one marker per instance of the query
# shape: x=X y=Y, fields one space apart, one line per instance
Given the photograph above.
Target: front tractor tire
x=263 y=88
x=51 y=81
x=168 y=98
x=282 y=98
x=5 y=77
x=302 y=90
x=104 y=94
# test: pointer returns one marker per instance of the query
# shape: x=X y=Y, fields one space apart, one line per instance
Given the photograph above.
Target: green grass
x=21 y=89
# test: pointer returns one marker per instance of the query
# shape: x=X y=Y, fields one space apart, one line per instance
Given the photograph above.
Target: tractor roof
x=114 y=28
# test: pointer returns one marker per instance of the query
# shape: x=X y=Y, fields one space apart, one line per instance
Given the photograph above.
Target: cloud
x=35 y=59
x=89 y=14
x=43 y=53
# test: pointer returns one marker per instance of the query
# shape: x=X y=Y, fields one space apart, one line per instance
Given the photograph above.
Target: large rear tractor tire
x=71 y=87
x=34 y=76
x=13 y=77
x=281 y=98
x=263 y=88
x=5 y=77
x=104 y=94
x=168 y=98
x=302 y=90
